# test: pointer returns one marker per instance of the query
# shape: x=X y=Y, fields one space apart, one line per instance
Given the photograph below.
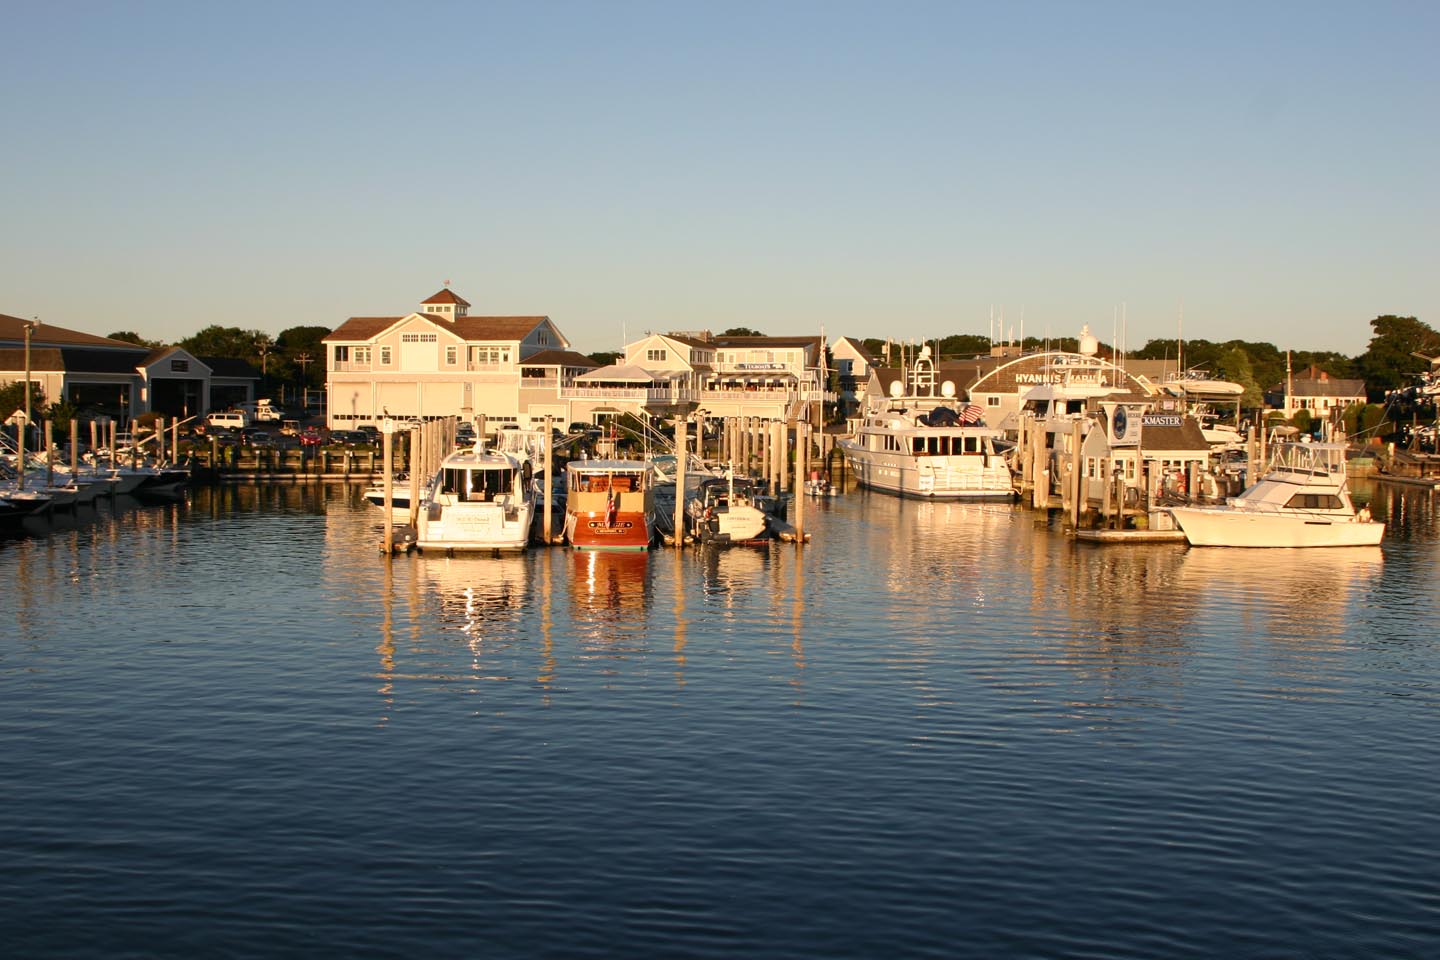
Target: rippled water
x=233 y=728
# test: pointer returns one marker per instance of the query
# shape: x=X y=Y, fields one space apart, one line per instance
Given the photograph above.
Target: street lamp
x=30 y=326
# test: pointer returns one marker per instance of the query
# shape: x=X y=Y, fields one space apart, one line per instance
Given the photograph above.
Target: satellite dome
x=897 y=389
x=1088 y=344
x=947 y=389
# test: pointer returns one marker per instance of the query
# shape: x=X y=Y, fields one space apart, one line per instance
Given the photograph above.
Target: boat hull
x=471 y=531
x=1228 y=527
x=969 y=477
x=597 y=530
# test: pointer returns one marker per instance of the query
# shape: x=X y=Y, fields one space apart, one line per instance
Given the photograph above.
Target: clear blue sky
x=881 y=169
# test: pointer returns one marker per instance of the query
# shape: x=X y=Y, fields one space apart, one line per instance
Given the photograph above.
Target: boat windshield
x=478 y=485
x=602 y=481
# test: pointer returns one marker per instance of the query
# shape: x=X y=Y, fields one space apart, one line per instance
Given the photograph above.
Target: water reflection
x=475 y=592
x=610 y=595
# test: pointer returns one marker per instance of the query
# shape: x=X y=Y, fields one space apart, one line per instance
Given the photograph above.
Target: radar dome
x=1088 y=344
x=897 y=388
x=947 y=389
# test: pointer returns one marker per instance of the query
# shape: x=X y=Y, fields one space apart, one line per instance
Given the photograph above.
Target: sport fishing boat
x=919 y=442
x=1302 y=500
x=478 y=500
x=609 y=504
x=727 y=510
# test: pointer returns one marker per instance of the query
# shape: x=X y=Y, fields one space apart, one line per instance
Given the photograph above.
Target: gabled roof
x=689 y=341
x=859 y=348
x=12 y=330
x=360 y=328
x=475 y=329
x=495 y=328
x=447 y=296
x=560 y=358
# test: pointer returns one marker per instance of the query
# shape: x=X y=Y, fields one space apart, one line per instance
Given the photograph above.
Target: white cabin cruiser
x=1301 y=501
x=478 y=500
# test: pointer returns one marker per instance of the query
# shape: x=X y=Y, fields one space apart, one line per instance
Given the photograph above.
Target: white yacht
x=919 y=443
x=1301 y=501
x=478 y=500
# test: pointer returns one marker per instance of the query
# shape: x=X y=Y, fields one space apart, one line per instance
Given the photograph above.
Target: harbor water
x=232 y=728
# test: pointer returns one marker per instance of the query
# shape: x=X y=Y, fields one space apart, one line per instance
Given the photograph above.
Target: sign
x=1123 y=432
x=387 y=426
x=759 y=366
x=1162 y=420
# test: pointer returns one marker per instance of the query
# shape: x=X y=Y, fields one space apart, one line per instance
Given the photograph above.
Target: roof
x=77 y=359
x=689 y=341
x=467 y=328
x=560 y=358
x=12 y=330
x=859 y=347
x=447 y=296
x=1329 y=387
x=619 y=373
x=723 y=341
x=1187 y=436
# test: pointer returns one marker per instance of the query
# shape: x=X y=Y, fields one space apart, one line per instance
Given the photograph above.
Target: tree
x=606 y=357
x=12 y=398
x=230 y=342
x=1235 y=366
x=1390 y=360
x=129 y=336
x=742 y=332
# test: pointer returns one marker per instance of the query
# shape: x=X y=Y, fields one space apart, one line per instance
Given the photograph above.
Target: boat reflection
x=606 y=585
x=476 y=590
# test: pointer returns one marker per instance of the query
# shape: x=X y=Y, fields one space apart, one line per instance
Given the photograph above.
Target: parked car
x=311 y=437
x=258 y=439
x=350 y=438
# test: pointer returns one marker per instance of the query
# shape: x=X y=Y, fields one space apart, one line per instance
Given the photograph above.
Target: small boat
x=818 y=487
x=1302 y=500
x=727 y=510
x=609 y=504
x=478 y=500
x=399 y=496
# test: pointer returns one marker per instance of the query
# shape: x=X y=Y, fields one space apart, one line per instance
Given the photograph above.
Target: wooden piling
x=389 y=435
x=548 y=522
x=800 y=442
x=679 y=529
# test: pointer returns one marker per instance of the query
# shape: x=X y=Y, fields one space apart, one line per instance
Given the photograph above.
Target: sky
x=898 y=169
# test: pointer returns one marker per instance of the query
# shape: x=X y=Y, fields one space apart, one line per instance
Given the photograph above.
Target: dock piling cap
x=387 y=426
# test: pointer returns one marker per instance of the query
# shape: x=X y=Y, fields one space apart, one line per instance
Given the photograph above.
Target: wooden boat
x=609 y=504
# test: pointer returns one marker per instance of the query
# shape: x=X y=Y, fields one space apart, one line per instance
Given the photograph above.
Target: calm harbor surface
x=232 y=728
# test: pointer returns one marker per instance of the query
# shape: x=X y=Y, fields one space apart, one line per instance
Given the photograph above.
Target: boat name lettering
x=1161 y=420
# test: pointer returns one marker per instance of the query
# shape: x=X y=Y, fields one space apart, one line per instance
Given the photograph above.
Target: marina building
x=115 y=378
x=441 y=361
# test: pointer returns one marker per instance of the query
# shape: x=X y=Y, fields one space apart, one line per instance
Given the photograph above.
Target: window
x=362 y=354
x=489 y=354
x=342 y=354
x=384 y=356
x=179 y=366
x=544 y=339
x=419 y=338
x=992 y=401
x=658 y=356
x=452 y=355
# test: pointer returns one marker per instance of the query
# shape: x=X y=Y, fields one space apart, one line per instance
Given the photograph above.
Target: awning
x=618 y=373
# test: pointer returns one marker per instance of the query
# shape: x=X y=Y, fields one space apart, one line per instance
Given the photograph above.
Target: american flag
x=972 y=413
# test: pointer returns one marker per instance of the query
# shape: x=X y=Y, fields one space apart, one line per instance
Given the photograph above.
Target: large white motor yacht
x=1302 y=500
